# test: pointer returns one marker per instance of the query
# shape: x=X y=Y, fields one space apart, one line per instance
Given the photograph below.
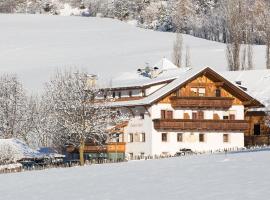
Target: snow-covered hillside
x=35 y=45
x=243 y=176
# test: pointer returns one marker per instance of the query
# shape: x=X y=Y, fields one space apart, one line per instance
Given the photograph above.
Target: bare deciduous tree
x=188 y=59
x=15 y=109
x=73 y=116
x=235 y=21
x=178 y=50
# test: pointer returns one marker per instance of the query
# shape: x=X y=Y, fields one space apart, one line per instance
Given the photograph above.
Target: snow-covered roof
x=23 y=150
x=181 y=78
x=167 y=71
x=165 y=64
x=257 y=83
x=50 y=152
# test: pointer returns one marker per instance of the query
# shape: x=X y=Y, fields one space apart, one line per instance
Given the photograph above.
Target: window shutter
x=169 y=115
x=194 y=115
x=163 y=114
x=200 y=115
x=186 y=116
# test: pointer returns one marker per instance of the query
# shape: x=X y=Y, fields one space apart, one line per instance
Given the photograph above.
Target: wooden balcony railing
x=201 y=102
x=94 y=149
x=200 y=125
x=110 y=147
x=119 y=147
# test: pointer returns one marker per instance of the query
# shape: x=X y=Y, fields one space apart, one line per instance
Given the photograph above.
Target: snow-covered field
x=242 y=176
x=33 y=46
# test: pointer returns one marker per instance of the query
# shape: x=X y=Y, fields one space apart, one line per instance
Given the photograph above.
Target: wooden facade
x=258 y=132
x=214 y=93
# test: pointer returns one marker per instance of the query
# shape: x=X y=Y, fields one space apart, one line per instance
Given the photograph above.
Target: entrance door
x=257 y=129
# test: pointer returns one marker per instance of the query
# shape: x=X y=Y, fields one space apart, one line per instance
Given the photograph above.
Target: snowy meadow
x=34 y=46
x=235 y=176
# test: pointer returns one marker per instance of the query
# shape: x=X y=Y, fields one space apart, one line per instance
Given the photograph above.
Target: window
x=232 y=116
x=119 y=95
x=201 y=137
x=257 y=129
x=142 y=154
x=194 y=115
x=200 y=115
x=165 y=114
x=186 y=116
x=164 y=137
x=142 y=115
x=131 y=155
x=169 y=115
x=116 y=137
x=130 y=137
x=225 y=138
x=136 y=137
x=201 y=92
x=216 y=116
x=143 y=93
x=179 y=137
x=226 y=115
x=130 y=93
x=113 y=94
x=142 y=137
x=193 y=91
x=218 y=92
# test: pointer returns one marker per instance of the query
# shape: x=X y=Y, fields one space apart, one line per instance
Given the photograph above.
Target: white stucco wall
x=213 y=141
x=137 y=125
x=154 y=145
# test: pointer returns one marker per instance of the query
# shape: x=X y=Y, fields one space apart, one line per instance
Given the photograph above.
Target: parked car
x=183 y=152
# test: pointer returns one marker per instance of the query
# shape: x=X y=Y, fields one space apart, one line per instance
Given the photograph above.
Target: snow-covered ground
x=33 y=46
x=243 y=176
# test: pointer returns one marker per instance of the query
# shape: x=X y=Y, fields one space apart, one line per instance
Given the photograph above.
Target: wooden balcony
x=200 y=125
x=95 y=149
x=119 y=147
x=201 y=102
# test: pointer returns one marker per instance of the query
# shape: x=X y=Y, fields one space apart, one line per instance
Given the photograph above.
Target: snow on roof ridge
x=164 y=64
x=171 y=86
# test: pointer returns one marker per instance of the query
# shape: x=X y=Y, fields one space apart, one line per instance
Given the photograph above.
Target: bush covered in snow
x=9 y=153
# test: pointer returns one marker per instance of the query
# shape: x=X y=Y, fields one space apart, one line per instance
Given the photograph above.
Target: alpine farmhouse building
x=181 y=108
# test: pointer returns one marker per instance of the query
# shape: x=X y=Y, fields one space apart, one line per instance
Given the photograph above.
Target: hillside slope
x=35 y=45
x=243 y=176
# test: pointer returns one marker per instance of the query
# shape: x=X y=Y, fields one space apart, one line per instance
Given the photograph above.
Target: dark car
x=183 y=152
